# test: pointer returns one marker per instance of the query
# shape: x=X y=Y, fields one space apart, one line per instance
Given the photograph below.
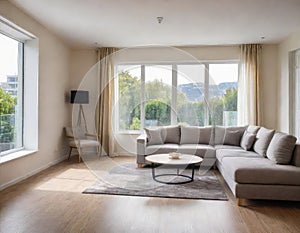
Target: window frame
x=30 y=63
x=174 y=89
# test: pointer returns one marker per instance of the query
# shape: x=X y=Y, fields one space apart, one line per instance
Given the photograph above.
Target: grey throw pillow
x=154 y=136
x=281 y=148
x=253 y=129
x=220 y=135
x=263 y=139
x=247 y=140
x=190 y=134
x=233 y=137
x=171 y=134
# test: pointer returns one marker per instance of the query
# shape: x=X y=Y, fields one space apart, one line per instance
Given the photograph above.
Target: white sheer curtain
x=249 y=85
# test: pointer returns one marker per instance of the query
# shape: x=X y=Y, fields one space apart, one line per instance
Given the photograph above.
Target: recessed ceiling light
x=262 y=37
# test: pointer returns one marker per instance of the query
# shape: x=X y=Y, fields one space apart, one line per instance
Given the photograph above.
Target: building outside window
x=165 y=94
x=11 y=94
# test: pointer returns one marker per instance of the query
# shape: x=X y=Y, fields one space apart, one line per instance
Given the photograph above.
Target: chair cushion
x=161 y=149
x=247 y=140
x=281 y=148
x=263 y=139
x=171 y=134
x=154 y=136
x=197 y=149
x=84 y=143
x=248 y=170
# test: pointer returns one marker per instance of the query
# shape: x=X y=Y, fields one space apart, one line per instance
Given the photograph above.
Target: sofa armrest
x=142 y=138
x=141 y=148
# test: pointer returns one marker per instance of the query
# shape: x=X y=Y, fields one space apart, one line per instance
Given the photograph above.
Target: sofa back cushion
x=263 y=139
x=171 y=134
x=296 y=156
x=154 y=136
x=195 y=135
x=229 y=135
x=281 y=148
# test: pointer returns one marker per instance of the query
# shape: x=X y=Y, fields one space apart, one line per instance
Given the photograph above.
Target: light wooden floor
x=51 y=201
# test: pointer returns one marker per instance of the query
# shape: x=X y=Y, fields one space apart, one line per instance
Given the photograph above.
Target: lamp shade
x=79 y=97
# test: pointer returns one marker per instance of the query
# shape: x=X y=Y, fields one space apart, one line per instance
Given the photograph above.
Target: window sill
x=16 y=155
x=132 y=132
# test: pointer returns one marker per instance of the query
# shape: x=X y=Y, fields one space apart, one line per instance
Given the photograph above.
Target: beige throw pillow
x=281 y=148
x=154 y=136
x=190 y=135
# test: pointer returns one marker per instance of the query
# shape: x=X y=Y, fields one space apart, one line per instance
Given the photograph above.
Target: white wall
x=269 y=74
x=290 y=44
x=83 y=60
x=53 y=111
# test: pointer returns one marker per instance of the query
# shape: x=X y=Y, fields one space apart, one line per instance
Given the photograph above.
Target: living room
x=42 y=191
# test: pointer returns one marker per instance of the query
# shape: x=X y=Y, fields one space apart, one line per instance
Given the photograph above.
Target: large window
x=164 y=94
x=11 y=94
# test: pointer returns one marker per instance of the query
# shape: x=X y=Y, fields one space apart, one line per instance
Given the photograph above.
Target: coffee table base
x=189 y=178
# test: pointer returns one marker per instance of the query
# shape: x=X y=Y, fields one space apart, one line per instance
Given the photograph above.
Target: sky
x=186 y=73
x=8 y=57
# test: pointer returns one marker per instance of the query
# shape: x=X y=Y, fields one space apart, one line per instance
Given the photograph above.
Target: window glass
x=11 y=95
x=190 y=94
x=158 y=94
x=129 y=97
x=223 y=94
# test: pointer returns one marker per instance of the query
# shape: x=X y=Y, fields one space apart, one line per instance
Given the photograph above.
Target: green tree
x=158 y=110
x=129 y=99
x=230 y=100
x=136 y=124
x=7 y=107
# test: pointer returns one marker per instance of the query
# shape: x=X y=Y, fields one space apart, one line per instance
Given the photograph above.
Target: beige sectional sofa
x=255 y=162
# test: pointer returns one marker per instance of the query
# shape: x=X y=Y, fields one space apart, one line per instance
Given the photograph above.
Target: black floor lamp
x=80 y=97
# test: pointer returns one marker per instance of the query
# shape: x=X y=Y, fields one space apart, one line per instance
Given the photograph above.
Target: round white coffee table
x=182 y=162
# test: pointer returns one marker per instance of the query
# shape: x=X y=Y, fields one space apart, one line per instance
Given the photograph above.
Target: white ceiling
x=125 y=23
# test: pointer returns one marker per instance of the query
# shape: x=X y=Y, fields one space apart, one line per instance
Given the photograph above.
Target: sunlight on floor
x=72 y=180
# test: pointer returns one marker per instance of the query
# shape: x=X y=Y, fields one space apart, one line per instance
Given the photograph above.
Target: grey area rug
x=126 y=179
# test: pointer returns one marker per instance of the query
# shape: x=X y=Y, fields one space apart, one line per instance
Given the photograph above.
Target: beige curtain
x=249 y=85
x=103 y=116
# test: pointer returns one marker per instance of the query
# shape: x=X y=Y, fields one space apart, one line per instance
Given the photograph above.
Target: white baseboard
x=126 y=154
x=17 y=180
